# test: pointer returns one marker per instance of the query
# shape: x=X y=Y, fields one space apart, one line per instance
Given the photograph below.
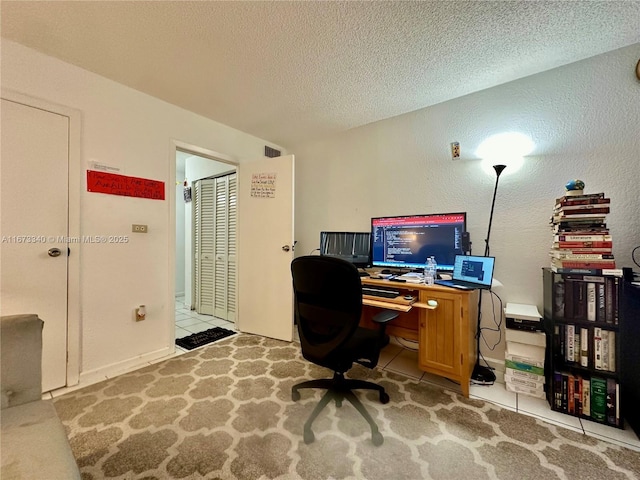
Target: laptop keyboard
x=380 y=292
x=454 y=284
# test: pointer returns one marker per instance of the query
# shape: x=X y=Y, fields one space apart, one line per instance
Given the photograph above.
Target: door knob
x=54 y=252
x=286 y=248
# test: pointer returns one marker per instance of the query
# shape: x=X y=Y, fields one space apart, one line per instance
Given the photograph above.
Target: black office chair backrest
x=328 y=303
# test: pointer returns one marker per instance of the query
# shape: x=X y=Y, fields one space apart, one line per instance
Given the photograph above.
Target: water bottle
x=430 y=271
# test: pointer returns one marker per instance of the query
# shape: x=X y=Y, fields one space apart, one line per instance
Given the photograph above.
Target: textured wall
x=128 y=129
x=584 y=119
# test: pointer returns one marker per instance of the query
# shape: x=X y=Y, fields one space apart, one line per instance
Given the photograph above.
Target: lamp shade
x=505 y=149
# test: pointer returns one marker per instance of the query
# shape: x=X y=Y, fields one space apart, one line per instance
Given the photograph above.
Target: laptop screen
x=478 y=270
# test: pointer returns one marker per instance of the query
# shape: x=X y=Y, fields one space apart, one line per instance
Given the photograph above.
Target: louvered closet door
x=225 y=248
x=215 y=246
x=204 y=224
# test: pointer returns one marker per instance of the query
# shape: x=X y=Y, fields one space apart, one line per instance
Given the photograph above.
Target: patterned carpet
x=225 y=412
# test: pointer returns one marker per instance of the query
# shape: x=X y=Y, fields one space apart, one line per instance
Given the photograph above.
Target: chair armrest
x=385 y=316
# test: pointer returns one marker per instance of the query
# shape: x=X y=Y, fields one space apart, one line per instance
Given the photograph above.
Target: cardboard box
x=513 y=373
x=532 y=392
x=530 y=338
x=532 y=352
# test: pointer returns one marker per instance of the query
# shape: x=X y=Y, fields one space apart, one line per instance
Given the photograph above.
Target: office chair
x=328 y=305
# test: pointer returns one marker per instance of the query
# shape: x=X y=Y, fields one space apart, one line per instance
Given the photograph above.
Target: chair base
x=339 y=388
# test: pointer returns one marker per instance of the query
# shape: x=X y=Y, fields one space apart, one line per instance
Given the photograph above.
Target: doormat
x=202 y=338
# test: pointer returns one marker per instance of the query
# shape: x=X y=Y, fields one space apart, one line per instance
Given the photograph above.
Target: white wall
x=124 y=128
x=584 y=119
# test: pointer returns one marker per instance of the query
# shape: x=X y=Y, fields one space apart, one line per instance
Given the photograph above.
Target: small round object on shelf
x=574 y=187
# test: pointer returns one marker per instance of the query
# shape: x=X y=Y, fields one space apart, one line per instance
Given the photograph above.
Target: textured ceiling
x=290 y=72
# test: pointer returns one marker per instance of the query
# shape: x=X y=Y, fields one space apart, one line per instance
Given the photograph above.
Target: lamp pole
x=480 y=374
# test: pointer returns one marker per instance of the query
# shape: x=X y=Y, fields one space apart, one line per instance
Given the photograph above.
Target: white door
x=215 y=225
x=265 y=247
x=225 y=249
x=34 y=199
x=204 y=232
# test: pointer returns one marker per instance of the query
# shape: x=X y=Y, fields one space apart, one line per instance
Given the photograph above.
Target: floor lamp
x=480 y=374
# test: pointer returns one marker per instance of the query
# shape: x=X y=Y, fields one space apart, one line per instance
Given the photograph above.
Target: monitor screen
x=474 y=269
x=407 y=242
x=350 y=246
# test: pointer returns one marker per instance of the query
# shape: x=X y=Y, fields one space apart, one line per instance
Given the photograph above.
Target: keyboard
x=453 y=284
x=383 y=292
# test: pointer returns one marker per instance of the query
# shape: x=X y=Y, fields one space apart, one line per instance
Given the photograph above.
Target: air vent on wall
x=271 y=152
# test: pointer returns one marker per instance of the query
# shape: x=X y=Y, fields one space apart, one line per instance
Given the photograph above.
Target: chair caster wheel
x=384 y=397
x=377 y=439
x=295 y=395
x=309 y=437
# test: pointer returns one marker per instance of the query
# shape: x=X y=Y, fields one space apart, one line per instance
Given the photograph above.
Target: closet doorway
x=215 y=247
x=206 y=209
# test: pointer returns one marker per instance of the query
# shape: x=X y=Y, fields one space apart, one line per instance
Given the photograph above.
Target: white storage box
x=513 y=373
x=529 y=353
x=533 y=392
x=530 y=338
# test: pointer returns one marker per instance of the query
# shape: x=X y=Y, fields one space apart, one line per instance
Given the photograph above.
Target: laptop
x=470 y=272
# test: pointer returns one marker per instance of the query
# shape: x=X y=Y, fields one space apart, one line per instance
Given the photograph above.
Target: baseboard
x=109 y=371
x=497 y=365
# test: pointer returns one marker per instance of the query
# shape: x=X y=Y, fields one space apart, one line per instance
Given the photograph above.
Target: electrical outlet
x=139 y=228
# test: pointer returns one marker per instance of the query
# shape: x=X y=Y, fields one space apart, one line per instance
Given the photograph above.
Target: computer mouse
x=408 y=297
x=432 y=303
x=385 y=271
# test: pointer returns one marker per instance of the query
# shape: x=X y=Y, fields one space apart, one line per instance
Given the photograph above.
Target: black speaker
x=466 y=243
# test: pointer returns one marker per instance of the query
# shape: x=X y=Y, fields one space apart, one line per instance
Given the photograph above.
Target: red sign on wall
x=113 y=184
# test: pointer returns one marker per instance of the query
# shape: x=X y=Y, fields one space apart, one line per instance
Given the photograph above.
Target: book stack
x=596 y=398
x=577 y=344
x=581 y=240
x=587 y=297
x=525 y=353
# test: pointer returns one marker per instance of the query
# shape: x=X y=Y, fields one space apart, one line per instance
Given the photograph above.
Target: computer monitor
x=407 y=241
x=350 y=246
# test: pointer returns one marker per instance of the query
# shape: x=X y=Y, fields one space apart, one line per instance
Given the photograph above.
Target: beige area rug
x=225 y=412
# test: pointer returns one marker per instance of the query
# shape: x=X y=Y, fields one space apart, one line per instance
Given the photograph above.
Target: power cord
x=409 y=346
x=497 y=328
x=497 y=323
x=633 y=255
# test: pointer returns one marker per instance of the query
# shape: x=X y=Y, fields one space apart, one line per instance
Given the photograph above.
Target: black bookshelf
x=630 y=354
x=584 y=364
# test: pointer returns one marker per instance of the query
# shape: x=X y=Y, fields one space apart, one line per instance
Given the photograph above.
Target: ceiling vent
x=271 y=152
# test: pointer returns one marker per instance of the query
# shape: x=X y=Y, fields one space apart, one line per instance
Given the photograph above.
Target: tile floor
x=397 y=358
x=188 y=322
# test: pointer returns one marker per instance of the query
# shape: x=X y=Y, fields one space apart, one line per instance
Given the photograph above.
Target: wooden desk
x=445 y=335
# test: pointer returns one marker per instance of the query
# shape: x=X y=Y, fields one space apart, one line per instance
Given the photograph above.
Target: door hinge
x=461 y=359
